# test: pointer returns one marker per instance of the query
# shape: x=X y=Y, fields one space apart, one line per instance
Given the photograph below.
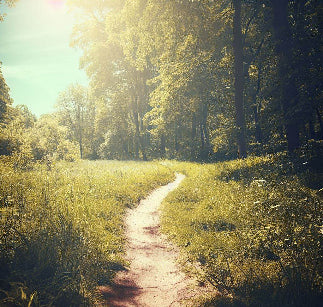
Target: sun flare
x=56 y=4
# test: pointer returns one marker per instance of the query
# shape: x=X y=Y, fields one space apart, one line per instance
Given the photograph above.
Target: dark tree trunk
x=136 y=122
x=202 y=138
x=288 y=88
x=143 y=148
x=319 y=118
x=176 y=147
x=81 y=147
x=205 y=139
x=80 y=125
x=193 y=137
x=162 y=146
x=258 y=132
x=257 y=108
x=238 y=79
x=311 y=130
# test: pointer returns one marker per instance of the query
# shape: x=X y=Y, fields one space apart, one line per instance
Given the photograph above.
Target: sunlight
x=56 y=4
x=174 y=158
x=48 y=59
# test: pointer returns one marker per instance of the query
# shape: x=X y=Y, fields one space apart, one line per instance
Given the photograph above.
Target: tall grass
x=252 y=229
x=61 y=232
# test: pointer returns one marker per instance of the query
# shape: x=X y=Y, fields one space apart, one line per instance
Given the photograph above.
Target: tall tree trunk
x=238 y=79
x=258 y=132
x=311 y=130
x=320 y=122
x=162 y=146
x=288 y=87
x=142 y=146
x=202 y=139
x=176 y=147
x=205 y=139
x=80 y=127
x=136 y=122
x=142 y=98
x=81 y=147
x=139 y=139
x=257 y=108
x=193 y=136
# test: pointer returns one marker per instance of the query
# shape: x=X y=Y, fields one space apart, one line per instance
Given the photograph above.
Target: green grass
x=62 y=232
x=251 y=228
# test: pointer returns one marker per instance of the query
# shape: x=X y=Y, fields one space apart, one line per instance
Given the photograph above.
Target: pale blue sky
x=34 y=49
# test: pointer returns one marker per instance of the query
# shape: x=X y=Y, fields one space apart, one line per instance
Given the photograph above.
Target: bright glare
x=56 y=4
x=47 y=65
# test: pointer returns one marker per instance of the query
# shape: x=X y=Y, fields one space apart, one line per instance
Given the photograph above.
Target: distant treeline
x=199 y=80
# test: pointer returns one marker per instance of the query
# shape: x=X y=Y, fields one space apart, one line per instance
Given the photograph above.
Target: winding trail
x=153 y=279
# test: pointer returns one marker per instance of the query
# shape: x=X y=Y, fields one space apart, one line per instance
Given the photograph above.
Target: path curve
x=153 y=279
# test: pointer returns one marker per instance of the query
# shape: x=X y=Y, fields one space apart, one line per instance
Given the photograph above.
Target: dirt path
x=153 y=278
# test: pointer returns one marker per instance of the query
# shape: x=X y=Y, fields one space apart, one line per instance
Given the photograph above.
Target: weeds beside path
x=251 y=227
x=62 y=231
x=153 y=278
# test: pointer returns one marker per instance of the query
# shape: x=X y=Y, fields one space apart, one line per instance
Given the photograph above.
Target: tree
x=211 y=78
x=238 y=79
x=49 y=140
x=5 y=99
x=109 y=63
x=72 y=107
x=18 y=121
x=288 y=88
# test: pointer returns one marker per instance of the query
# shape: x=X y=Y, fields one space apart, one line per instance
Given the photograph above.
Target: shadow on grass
x=308 y=171
x=121 y=293
x=262 y=302
x=51 y=267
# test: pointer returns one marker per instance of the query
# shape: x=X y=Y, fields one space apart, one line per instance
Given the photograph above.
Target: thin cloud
x=37 y=60
x=33 y=72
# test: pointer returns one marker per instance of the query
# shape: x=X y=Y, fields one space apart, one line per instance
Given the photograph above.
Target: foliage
x=48 y=140
x=17 y=121
x=75 y=112
x=27 y=139
x=171 y=89
x=250 y=228
x=5 y=99
x=163 y=82
x=9 y=3
x=62 y=229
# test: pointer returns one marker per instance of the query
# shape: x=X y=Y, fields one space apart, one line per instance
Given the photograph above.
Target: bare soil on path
x=153 y=279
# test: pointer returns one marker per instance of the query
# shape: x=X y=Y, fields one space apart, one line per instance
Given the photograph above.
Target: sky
x=37 y=61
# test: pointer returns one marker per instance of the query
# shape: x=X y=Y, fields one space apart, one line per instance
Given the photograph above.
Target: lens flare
x=56 y=4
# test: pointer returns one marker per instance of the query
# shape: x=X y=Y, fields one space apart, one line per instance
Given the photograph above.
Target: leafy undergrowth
x=61 y=231
x=252 y=229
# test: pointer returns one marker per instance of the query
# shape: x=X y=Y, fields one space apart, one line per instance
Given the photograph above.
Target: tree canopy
x=199 y=80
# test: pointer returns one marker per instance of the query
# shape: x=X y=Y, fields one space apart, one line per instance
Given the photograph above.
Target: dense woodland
x=235 y=83
x=197 y=80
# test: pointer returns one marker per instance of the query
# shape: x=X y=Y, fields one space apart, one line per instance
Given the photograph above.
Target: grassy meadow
x=251 y=228
x=61 y=231
x=235 y=86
